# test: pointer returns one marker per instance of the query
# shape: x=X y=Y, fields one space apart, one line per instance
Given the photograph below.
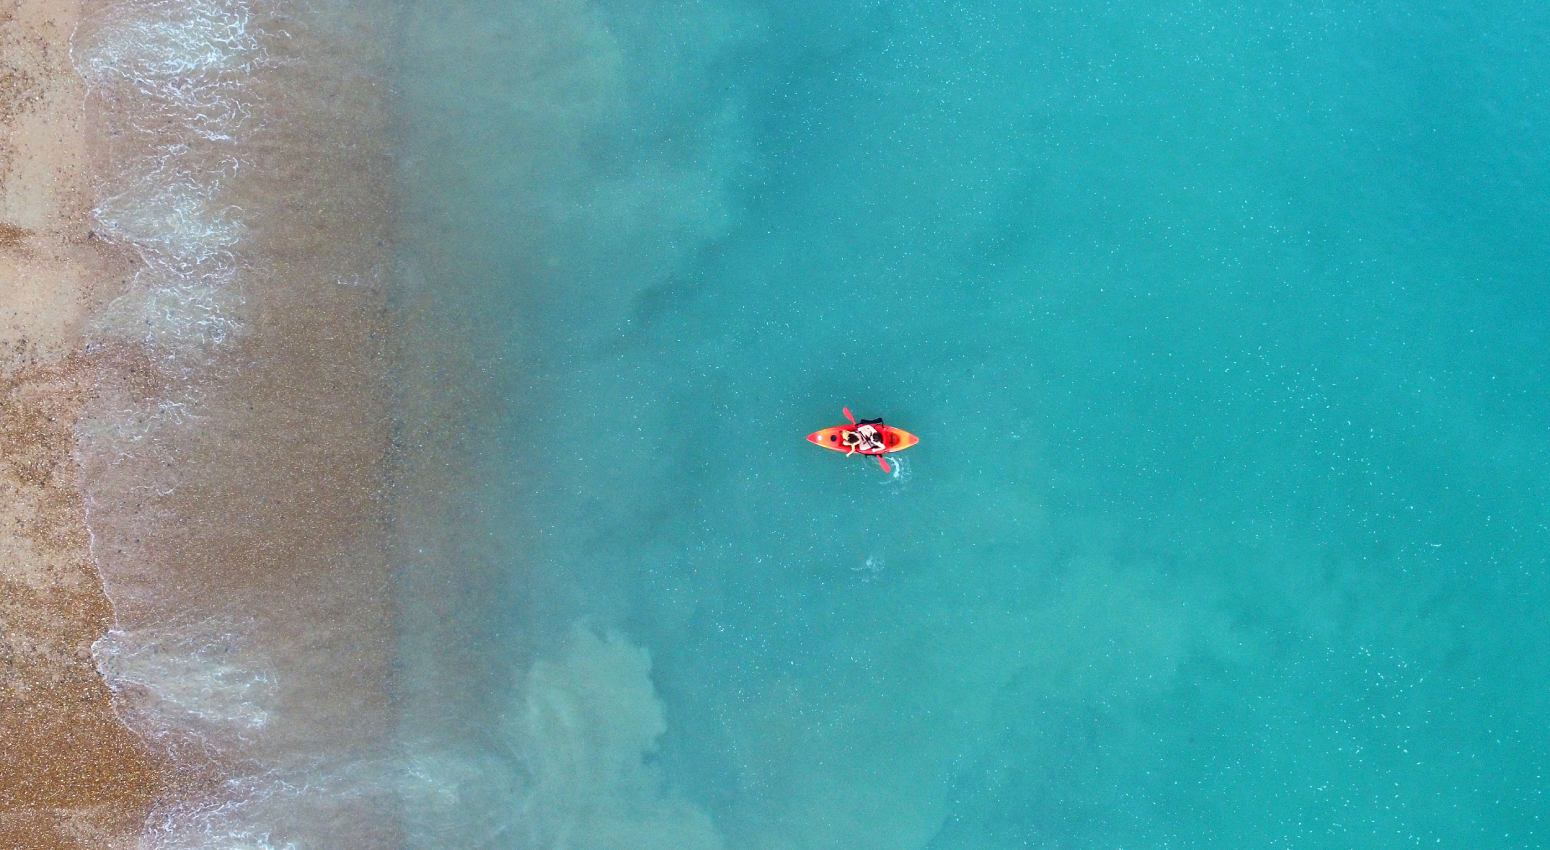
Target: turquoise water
x=1223 y=329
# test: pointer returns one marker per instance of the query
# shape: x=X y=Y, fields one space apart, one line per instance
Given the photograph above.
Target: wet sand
x=71 y=775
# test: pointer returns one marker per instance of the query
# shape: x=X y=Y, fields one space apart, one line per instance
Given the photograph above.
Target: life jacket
x=871 y=437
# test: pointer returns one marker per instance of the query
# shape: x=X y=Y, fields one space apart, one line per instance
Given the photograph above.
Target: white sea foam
x=204 y=678
x=175 y=82
x=280 y=809
x=189 y=61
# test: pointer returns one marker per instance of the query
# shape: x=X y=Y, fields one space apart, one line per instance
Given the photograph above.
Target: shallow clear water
x=1223 y=331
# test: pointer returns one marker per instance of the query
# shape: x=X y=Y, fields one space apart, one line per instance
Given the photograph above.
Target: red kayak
x=894 y=440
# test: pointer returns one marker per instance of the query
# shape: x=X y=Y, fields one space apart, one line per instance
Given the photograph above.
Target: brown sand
x=71 y=776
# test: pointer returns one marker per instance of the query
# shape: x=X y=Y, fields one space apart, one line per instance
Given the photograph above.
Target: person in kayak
x=851 y=441
x=869 y=436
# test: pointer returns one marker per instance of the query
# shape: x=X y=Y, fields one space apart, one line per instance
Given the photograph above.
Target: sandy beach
x=73 y=776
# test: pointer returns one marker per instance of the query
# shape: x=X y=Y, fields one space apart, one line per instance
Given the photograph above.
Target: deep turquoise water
x=1224 y=330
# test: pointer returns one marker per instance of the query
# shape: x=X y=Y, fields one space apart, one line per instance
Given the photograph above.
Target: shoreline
x=235 y=457
x=76 y=776
x=196 y=608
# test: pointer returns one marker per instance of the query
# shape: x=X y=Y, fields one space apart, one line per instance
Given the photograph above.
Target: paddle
x=884 y=464
x=848 y=416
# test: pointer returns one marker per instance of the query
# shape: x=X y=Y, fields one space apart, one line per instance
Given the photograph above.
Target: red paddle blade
x=848 y=416
x=884 y=464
